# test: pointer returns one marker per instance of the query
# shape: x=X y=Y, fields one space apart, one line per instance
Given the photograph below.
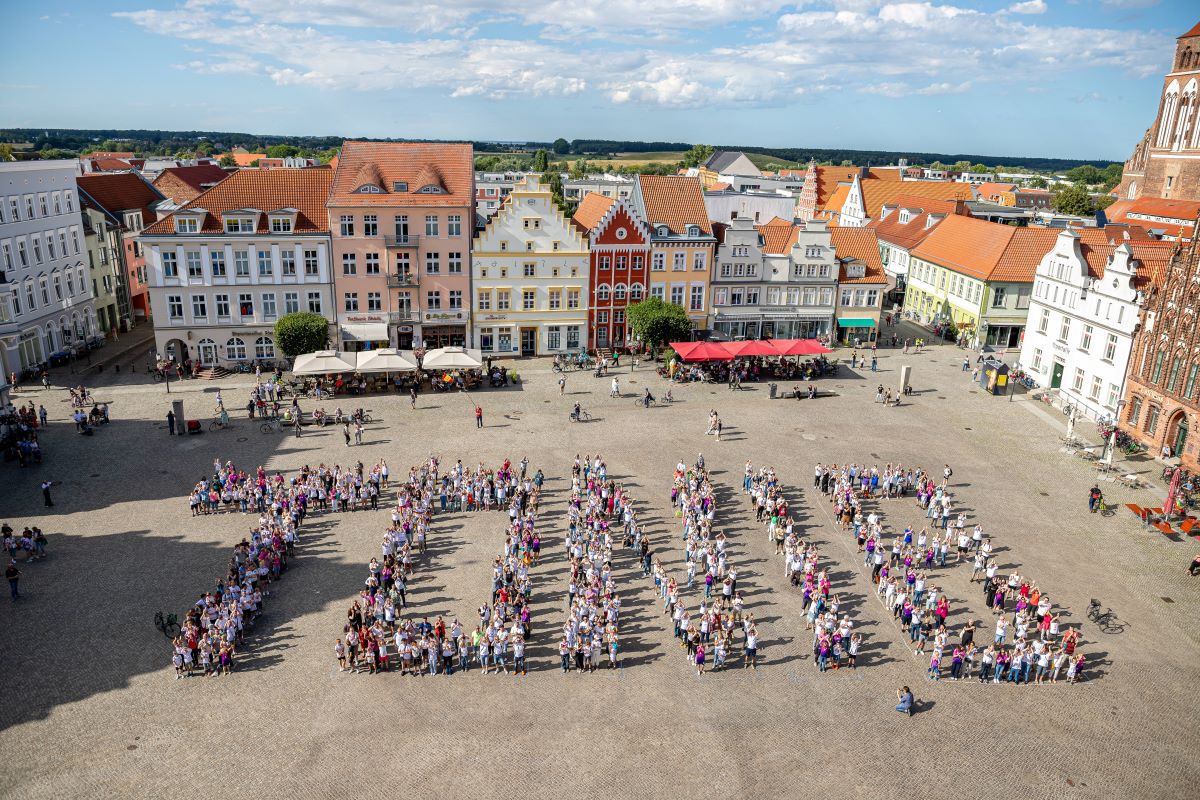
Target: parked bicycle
x=579 y=416
x=270 y=426
x=168 y=624
x=1106 y=619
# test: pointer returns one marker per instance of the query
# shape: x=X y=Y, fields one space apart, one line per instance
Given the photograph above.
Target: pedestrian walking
x=46 y=492
x=478 y=416
x=358 y=432
x=42 y=415
x=297 y=425
x=412 y=397
x=562 y=385
x=14 y=576
x=346 y=432
x=874 y=364
x=171 y=422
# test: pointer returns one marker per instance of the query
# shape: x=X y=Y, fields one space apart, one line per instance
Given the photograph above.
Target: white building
x=726 y=205
x=529 y=278
x=1086 y=296
x=46 y=303
x=227 y=265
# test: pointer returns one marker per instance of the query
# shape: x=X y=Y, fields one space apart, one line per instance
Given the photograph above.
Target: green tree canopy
x=541 y=161
x=1085 y=173
x=697 y=155
x=282 y=151
x=1037 y=182
x=561 y=146
x=301 y=332
x=979 y=168
x=228 y=160
x=553 y=182
x=657 y=322
x=254 y=163
x=6 y=152
x=1074 y=199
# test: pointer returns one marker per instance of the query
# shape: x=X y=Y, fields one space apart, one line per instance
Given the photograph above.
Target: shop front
x=767 y=326
x=856 y=330
x=1004 y=336
x=364 y=332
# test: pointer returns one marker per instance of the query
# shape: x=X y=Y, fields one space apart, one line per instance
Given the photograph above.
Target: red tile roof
x=1154 y=257
x=1182 y=210
x=828 y=178
x=1024 y=252
x=778 y=236
x=967 y=245
x=859 y=244
x=675 y=201
x=117 y=192
x=417 y=164
x=122 y=154
x=591 y=210
x=242 y=159
x=198 y=176
x=110 y=164
x=266 y=190
x=989 y=190
x=908 y=235
x=1195 y=31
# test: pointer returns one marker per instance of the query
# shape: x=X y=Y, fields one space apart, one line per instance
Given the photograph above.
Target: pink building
x=401 y=215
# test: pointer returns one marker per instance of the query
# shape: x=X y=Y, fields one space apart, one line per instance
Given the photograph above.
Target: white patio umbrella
x=324 y=361
x=452 y=358
x=384 y=360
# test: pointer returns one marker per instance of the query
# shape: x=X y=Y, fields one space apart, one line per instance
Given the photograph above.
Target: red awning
x=726 y=351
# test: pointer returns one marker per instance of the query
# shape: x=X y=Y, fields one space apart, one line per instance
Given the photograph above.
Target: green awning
x=856 y=322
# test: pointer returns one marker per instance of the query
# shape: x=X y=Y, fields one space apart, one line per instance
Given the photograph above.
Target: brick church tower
x=1166 y=162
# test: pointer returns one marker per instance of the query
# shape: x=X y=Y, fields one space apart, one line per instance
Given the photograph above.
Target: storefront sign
x=495 y=316
x=364 y=318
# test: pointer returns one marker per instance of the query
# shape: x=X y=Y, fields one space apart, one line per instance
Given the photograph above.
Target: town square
x=94 y=687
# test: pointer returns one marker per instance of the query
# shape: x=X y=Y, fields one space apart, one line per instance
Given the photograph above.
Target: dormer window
x=662 y=230
x=239 y=224
x=904 y=216
x=400 y=186
x=855 y=271
x=693 y=230
x=187 y=225
x=368 y=188
x=281 y=224
x=432 y=188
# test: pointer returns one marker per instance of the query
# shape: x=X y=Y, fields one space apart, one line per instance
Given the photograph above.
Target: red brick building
x=1166 y=162
x=1162 y=402
x=620 y=256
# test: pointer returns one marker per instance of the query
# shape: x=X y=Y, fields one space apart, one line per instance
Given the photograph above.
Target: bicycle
x=1106 y=620
x=582 y=416
x=641 y=401
x=270 y=426
x=1105 y=509
x=217 y=424
x=169 y=624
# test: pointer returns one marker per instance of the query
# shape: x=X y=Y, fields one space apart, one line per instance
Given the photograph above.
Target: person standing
x=412 y=397
x=299 y=427
x=14 y=576
x=171 y=422
x=346 y=432
x=478 y=416
x=46 y=492
x=358 y=432
x=42 y=415
x=562 y=385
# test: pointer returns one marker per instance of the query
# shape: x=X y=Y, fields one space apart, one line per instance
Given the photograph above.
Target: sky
x=1057 y=78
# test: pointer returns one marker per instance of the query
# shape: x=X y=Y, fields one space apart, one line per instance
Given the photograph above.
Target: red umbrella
x=1169 y=506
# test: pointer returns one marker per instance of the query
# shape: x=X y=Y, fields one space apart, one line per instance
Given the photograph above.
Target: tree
x=205 y=148
x=847 y=163
x=282 y=151
x=962 y=166
x=1112 y=175
x=1085 y=173
x=1074 y=200
x=1103 y=201
x=6 y=152
x=580 y=168
x=541 y=161
x=228 y=160
x=979 y=168
x=301 y=332
x=553 y=182
x=657 y=322
x=561 y=146
x=699 y=154
x=937 y=165
x=254 y=163
x=1037 y=182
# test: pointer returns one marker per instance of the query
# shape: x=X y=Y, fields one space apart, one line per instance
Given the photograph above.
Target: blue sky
x=1066 y=78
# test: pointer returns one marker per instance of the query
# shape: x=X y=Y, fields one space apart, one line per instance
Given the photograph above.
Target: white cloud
x=666 y=53
x=1029 y=7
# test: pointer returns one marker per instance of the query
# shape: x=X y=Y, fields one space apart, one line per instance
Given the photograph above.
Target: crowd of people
x=379 y=636
x=1030 y=644
x=334 y=488
x=215 y=626
x=834 y=642
x=711 y=632
x=19 y=430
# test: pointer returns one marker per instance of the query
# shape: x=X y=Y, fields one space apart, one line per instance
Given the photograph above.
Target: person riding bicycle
x=647 y=398
x=1095 y=498
x=224 y=416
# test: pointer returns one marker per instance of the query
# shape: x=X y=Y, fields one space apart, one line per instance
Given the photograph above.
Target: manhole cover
x=241 y=438
x=1167 y=600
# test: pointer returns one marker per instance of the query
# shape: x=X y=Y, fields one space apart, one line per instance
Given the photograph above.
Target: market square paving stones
x=91 y=707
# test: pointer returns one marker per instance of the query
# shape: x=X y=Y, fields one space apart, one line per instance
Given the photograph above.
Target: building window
x=170 y=265
x=235 y=349
x=1173 y=375
x=1085 y=341
x=310 y=263
x=264 y=347
x=222 y=303
x=658 y=262
x=433 y=263
x=351 y=300
x=1156 y=373
x=487 y=335
x=1094 y=391
x=1114 y=394
x=555 y=299
x=433 y=300
x=281 y=225
x=502 y=299
x=195 y=267
x=847 y=297
x=347 y=225
x=1189 y=387
x=287 y=262
x=572 y=337
x=602 y=317
x=553 y=337
x=1110 y=348
x=187 y=225
x=637 y=262
x=1135 y=410
x=431 y=225
x=265 y=267
x=216 y=259
x=349 y=264
x=199 y=307
x=605 y=262
x=374 y=301
x=699 y=261
x=573 y=296
x=697 y=299
x=529 y=269
x=528 y=299
x=241 y=263
x=677 y=290
x=454 y=263
x=619 y=292
x=483 y=300
x=658 y=290
x=454 y=225
x=1077 y=380
x=245 y=305
x=370 y=225
x=268 y=305
x=1064 y=329
x=456 y=299
x=1152 y=420
x=291 y=302
x=679 y=261
x=1037 y=359
x=602 y=292
x=174 y=306
x=635 y=292
x=238 y=225
x=314 y=302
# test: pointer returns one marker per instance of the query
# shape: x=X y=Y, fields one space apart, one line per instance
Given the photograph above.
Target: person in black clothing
x=1194 y=569
x=14 y=575
x=968 y=634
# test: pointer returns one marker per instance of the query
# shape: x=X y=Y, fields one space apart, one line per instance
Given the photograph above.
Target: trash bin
x=774 y=388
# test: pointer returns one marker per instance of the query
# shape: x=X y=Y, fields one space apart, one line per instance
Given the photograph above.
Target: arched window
x=50 y=340
x=1166 y=124
x=602 y=291
x=635 y=292
x=235 y=349
x=264 y=347
x=619 y=292
x=1132 y=193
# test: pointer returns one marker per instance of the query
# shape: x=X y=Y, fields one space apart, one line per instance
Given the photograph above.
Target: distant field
x=652 y=157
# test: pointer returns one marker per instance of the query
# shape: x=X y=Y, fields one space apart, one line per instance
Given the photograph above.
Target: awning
x=365 y=331
x=856 y=322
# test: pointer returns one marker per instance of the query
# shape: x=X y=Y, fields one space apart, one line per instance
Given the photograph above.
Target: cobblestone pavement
x=91 y=707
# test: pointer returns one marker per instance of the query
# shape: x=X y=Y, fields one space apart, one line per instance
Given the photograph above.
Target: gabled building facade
x=530 y=278
x=681 y=239
x=1087 y=295
x=861 y=284
x=902 y=225
x=619 y=261
x=227 y=265
x=402 y=215
x=106 y=265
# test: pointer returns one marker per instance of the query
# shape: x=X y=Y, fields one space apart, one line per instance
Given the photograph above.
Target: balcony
x=411 y=315
x=400 y=279
x=408 y=240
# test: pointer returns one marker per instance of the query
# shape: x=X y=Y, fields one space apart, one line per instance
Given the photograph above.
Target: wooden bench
x=1164 y=527
x=1188 y=525
x=1137 y=510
